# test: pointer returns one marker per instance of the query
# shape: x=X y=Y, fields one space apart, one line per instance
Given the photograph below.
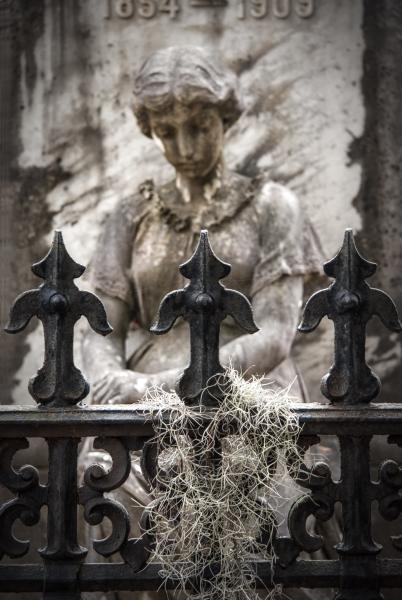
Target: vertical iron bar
x=62 y=555
x=357 y=551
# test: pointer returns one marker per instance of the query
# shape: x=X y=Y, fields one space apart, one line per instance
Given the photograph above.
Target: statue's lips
x=188 y=165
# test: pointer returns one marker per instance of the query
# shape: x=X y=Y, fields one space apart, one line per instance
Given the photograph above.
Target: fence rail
x=359 y=572
x=123 y=421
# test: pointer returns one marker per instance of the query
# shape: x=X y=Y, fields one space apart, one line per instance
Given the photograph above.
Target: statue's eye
x=164 y=132
x=203 y=127
x=195 y=129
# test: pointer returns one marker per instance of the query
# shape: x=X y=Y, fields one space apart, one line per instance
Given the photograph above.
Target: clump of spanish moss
x=218 y=493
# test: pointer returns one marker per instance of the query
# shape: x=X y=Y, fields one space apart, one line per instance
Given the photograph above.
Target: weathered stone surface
x=301 y=82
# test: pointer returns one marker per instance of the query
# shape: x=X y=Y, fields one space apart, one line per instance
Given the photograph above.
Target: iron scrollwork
x=97 y=481
x=31 y=496
x=319 y=504
x=388 y=488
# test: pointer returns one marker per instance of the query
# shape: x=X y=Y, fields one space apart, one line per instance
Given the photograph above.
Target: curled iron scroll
x=97 y=481
x=319 y=503
x=31 y=496
x=388 y=494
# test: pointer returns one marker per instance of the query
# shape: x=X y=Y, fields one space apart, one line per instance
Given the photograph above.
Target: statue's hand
x=120 y=387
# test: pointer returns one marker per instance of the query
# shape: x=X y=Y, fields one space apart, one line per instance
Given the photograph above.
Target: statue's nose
x=185 y=145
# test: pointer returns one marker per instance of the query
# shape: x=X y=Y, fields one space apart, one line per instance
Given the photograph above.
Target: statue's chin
x=192 y=171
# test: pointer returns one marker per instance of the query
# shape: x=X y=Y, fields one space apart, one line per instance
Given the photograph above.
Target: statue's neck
x=200 y=190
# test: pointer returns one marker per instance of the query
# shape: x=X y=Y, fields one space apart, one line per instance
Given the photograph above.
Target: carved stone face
x=191 y=137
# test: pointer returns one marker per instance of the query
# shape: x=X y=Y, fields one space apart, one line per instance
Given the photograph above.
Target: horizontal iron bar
x=124 y=420
x=119 y=576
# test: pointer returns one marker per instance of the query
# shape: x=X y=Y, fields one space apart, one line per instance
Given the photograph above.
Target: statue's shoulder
x=131 y=207
x=239 y=183
x=276 y=202
x=267 y=196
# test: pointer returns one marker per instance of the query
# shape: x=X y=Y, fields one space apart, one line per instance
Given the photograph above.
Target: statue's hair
x=189 y=75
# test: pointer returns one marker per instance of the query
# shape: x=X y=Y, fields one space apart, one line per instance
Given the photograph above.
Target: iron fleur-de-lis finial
x=204 y=303
x=350 y=303
x=58 y=303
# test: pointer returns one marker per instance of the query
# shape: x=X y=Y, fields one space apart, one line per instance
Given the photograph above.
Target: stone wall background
x=323 y=116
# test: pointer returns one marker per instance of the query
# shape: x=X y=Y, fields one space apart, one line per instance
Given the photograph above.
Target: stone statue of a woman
x=186 y=103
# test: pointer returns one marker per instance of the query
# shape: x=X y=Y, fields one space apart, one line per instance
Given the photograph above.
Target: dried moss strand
x=224 y=490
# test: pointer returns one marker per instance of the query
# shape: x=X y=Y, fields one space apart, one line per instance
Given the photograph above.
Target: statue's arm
x=104 y=361
x=277 y=285
x=103 y=357
x=276 y=311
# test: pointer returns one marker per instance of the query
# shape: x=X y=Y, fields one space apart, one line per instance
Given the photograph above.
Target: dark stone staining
x=24 y=213
x=71 y=55
x=269 y=101
x=31 y=221
x=32 y=26
x=249 y=166
x=379 y=151
x=34 y=218
x=379 y=201
x=247 y=63
x=10 y=50
x=215 y=25
x=270 y=98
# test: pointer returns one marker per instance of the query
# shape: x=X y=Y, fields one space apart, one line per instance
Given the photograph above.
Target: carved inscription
x=255 y=9
x=279 y=9
x=144 y=9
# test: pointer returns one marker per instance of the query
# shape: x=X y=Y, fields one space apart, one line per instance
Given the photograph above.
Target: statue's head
x=185 y=102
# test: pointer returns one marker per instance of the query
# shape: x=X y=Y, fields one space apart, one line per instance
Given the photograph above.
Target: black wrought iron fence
x=360 y=572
